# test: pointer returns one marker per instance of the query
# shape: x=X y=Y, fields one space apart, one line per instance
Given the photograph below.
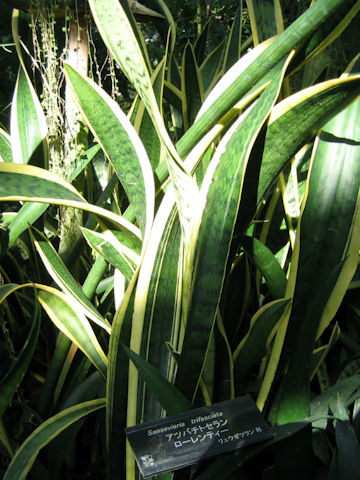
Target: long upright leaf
x=143 y=122
x=142 y=302
x=119 y=462
x=191 y=86
x=118 y=34
x=225 y=182
x=143 y=337
x=28 y=125
x=329 y=243
x=120 y=143
x=161 y=320
x=233 y=46
x=210 y=67
x=265 y=19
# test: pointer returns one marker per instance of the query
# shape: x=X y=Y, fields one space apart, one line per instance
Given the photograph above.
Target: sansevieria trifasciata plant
x=214 y=257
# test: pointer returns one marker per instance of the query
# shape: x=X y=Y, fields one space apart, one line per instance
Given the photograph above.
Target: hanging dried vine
x=48 y=63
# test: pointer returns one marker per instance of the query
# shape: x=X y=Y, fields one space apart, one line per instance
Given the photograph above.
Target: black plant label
x=180 y=440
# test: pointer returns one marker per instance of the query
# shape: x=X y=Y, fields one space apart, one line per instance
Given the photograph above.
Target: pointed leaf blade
x=74 y=325
x=170 y=398
x=61 y=275
x=28 y=125
x=120 y=143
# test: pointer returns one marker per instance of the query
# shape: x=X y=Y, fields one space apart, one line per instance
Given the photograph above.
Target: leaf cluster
x=216 y=253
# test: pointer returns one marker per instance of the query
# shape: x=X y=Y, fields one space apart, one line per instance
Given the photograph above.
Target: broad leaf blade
x=306 y=111
x=328 y=255
x=224 y=180
x=28 y=125
x=120 y=143
x=30 y=212
x=28 y=183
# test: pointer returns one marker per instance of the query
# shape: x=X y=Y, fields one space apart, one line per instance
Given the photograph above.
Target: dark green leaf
x=172 y=400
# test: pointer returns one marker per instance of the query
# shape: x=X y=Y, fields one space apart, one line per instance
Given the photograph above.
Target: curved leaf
x=120 y=143
x=28 y=183
x=306 y=111
x=253 y=347
x=299 y=30
x=30 y=212
x=118 y=34
x=116 y=253
x=74 y=325
x=61 y=275
x=27 y=453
